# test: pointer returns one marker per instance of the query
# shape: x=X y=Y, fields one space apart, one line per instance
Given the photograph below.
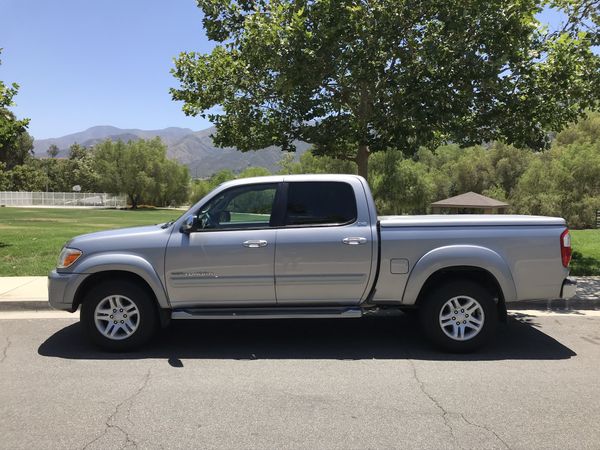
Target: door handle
x=354 y=240
x=255 y=243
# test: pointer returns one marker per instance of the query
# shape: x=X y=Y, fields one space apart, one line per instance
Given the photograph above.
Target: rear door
x=324 y=246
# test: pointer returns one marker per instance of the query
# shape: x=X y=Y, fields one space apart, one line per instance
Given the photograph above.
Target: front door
x=228 y=258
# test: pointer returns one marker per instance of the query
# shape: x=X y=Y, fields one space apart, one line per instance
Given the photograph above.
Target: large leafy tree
x=140 y=169
x=357 y=76
x=15 y=143
x=77 y=169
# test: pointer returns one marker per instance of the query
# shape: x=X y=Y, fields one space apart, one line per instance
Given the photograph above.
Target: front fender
x=459 y=256
x=126 y=262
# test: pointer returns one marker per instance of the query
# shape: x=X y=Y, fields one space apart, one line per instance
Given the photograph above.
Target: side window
x=320 y=203
x=242 y=207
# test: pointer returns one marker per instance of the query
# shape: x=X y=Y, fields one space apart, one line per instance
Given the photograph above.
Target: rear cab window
x=320 y=203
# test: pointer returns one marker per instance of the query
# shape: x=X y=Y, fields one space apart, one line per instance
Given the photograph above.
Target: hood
x=125 y=239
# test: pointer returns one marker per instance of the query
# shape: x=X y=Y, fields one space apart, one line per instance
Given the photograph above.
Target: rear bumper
x=569 y=287
x=62 y=288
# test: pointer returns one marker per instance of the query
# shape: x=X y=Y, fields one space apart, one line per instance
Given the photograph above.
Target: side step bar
x=267 y=313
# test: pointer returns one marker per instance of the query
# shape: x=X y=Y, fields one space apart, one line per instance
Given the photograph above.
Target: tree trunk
x=362 y=160
x=133 y=199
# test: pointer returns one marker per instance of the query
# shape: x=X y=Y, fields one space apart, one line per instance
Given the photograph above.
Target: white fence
x=101 y=200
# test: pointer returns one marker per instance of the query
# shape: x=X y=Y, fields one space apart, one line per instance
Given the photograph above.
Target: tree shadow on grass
x=4 y=244
x=584 y=265
x=338 y=339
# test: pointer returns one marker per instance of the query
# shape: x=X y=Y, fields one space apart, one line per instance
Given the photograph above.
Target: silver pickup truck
x=310 y=246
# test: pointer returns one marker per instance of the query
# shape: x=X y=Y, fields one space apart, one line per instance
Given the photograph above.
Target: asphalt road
x=302 y=384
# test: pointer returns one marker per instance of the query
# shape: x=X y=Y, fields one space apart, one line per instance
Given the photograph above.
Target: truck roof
x=301 y=177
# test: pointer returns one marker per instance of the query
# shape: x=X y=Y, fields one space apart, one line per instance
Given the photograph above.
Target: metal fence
x=100 y=200
x=598 y=219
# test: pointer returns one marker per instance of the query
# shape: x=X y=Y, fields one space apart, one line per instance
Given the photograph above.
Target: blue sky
x=82 y=63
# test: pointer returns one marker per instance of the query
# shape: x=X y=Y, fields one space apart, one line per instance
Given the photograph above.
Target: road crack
x=483 y=427
x=446 y=413
x=111 y=421
x=5 y=350
x=433 y=400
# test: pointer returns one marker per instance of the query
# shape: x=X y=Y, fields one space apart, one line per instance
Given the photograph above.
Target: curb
x=560 y=304
x=25 y=305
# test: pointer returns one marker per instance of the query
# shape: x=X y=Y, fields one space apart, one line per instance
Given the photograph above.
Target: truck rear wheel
x=118 y=316
x=459 y=316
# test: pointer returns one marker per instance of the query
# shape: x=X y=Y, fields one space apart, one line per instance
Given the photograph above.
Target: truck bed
x=521 y=252
x=462 y=220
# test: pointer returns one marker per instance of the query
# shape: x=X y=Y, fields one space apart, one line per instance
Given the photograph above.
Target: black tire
x=435 y=302
x=145 y=320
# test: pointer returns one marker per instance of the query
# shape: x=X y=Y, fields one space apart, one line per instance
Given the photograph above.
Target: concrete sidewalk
x=31 y=293
x=23 y=293
x=23 y=288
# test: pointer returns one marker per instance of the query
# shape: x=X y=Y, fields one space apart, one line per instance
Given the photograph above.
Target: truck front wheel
x=459 y=316
x=118 y=315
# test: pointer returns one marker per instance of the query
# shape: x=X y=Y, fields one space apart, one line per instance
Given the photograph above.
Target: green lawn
x=586 y=252
x=31 y=238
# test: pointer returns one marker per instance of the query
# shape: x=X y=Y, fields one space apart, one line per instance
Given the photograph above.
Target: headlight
x=67 y=257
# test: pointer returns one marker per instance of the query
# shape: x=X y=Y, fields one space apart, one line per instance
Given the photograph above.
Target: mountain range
x=192 y=148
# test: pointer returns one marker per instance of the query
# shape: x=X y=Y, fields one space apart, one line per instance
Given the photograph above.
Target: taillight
x=565 y=247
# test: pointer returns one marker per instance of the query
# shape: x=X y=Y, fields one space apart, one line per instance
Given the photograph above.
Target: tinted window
x=320 y=203
x=243 y=207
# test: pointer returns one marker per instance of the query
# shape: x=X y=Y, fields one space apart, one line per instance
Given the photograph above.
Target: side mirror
x=189 y=225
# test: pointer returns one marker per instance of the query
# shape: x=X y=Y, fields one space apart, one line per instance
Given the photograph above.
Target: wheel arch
x=474 y=274
x=125 y=266
x=110 y=275
x=476 y=263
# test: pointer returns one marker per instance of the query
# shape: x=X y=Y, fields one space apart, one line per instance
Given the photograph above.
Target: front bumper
x=569 y=287
x=62 y=288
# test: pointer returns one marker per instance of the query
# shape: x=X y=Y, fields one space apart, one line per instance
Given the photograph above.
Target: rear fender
x=459 y=256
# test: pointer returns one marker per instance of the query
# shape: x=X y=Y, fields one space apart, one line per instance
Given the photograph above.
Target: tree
x=508 y=163
x=565 y=182
x=4 y=177
x=77 y=152
x=80 y=169
x=171 y=184
x=140 y=169
x=357 y=76
x=587 y=130
x=199 y=189
x=221 y=177
x=202 y=187
x=400 y=186
x=249 y=172
x=52 y=151
x=77 y=169
x=311 y=163
x=15 y=144
x=384 y=176
x=22 y=150
x=27 y=177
